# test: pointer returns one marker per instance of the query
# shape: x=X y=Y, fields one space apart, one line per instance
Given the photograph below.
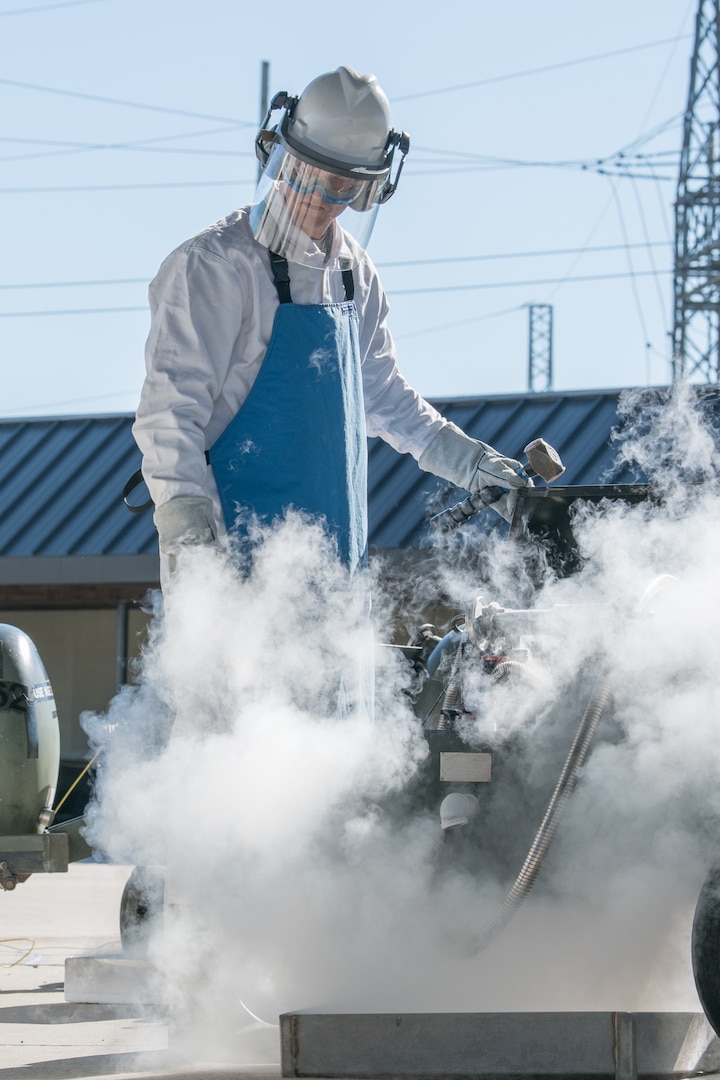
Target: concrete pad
x=45 y=921
x=57 y=924
x=66 y=927
x=607 y=1046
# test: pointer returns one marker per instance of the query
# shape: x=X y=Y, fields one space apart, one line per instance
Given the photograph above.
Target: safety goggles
x=333 y=189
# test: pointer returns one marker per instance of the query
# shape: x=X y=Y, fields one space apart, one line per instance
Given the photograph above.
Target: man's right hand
x=473 y=465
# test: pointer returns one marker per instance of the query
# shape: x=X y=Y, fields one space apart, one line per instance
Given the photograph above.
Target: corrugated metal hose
x=564 y=788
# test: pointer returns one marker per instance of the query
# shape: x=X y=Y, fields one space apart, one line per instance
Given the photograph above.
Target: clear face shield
x=311 y=216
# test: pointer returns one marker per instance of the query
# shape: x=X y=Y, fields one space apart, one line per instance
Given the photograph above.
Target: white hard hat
x=341 y=118
x=341 y=122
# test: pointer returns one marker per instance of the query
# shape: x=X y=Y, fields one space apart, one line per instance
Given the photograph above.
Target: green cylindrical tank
x=29 y=736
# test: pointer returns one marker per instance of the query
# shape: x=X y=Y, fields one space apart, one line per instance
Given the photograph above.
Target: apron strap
x=349 y=283
x=281 y=277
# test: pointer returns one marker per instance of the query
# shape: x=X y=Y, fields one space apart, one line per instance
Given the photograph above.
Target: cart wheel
x=141 y=909
x=706 y=948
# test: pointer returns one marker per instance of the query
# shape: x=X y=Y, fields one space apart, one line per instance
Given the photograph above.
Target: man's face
x=317 y=197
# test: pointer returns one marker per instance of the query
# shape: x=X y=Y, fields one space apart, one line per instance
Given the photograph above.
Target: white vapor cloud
x=248 y=762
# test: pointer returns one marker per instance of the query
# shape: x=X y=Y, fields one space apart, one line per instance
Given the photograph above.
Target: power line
x=48 y=7
x=623 y=155
x=485 y=257
x=633 y=275
x=520 y=284
x=521 y=254
x=602 y=167
x=70 y=311
x=636 y=176
x=390 y=292
x=74 y=145
x=125 y=104
x=541 y=70
x=406 y=97
x=463 y=161
x=460 y=322
x=668 y=62
x=643 y=222
x=137 y=147
x=76 y=284
x=58 y=189
x=576 y=260
x=149 y=145
x=646 y=136
x=469 y=162
x=487 y=162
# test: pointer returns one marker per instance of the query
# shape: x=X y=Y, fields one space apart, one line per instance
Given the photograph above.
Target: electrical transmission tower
x=540 y=352
x=696 y=323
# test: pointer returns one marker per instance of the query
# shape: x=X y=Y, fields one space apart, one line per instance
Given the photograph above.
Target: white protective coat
x=213 y=303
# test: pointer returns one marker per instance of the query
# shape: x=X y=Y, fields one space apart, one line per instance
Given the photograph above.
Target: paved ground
x=47 y=1032
x=42 y=1036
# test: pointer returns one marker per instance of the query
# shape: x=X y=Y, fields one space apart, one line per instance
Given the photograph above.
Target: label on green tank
x=16 y=696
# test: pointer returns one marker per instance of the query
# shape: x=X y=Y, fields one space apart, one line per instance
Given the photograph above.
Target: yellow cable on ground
x=4 y=941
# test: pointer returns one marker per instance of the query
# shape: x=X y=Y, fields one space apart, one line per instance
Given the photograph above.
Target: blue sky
x=127 y=125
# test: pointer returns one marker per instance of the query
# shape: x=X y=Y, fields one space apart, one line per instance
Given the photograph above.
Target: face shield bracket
x=401 y=140
x=268 y=136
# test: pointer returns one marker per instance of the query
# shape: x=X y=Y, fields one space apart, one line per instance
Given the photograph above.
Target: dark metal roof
x=62 y=477
x=61 y=488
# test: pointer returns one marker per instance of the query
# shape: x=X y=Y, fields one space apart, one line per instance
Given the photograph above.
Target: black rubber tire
x=141 y=909
x=706 y=948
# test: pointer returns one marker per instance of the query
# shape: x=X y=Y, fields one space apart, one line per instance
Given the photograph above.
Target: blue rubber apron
x=299 y=439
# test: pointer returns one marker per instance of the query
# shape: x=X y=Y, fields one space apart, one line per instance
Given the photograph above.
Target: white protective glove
x=473 y=465
x=184 y=521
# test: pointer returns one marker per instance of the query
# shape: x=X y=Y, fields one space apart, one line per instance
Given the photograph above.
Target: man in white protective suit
x=270 y=361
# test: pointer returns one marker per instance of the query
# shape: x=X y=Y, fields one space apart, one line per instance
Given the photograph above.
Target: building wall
x=79 y=649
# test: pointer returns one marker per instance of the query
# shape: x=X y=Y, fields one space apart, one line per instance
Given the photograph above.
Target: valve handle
x=543 y=461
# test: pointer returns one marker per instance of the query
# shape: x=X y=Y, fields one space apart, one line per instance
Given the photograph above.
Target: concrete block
x=113 y=980
x=498 y=1046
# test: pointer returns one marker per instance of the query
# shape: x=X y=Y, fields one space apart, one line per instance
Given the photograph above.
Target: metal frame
x=696 y=326
x=540 y=349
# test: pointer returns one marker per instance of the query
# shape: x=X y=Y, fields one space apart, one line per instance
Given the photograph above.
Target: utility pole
x=264 y=91
x=696 y=324
x=540 y=350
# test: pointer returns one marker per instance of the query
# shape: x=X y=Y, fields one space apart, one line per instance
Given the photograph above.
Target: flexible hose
x=505 y=668
x=453 y=691
x=564 y=788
